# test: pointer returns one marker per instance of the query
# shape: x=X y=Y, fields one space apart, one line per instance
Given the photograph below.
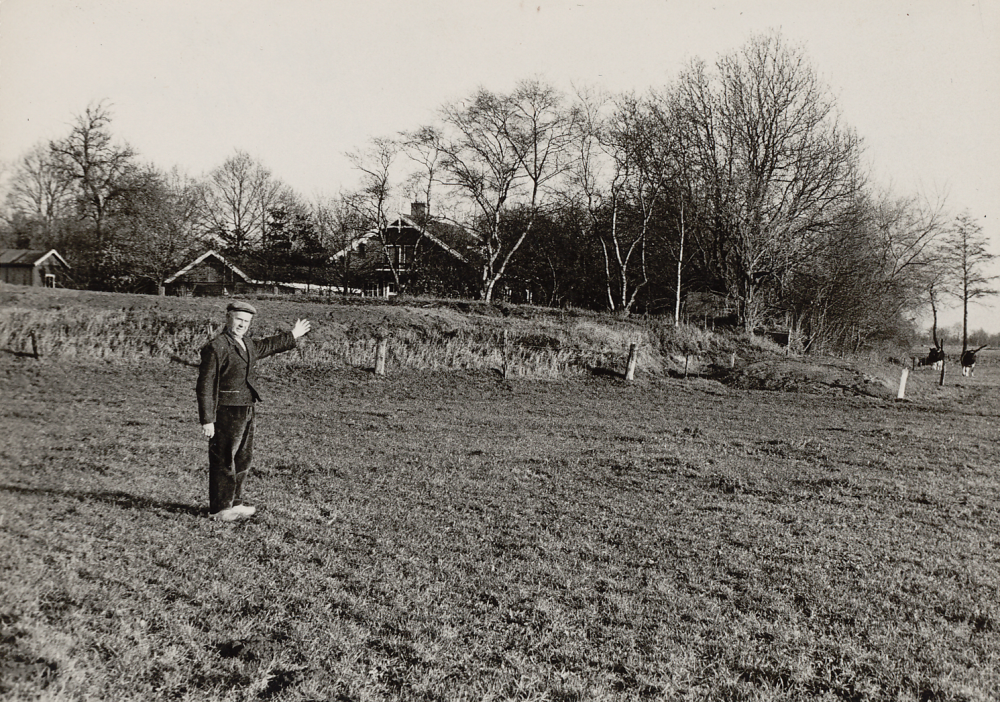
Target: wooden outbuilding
x=210 y=274
x=213 y=274
x=34 y=268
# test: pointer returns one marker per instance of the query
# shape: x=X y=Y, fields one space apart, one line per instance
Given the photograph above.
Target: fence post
x=902 y=383
x=34 y=345
x=380 y=350
x=506 y=354
x=632 y=359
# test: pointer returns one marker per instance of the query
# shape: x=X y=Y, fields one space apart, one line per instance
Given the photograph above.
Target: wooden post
x=902 y=383
x=732 y=360
x=632 y=359
x=687 y=359
x=380 y=350
x=506 y=354
x=34 y=345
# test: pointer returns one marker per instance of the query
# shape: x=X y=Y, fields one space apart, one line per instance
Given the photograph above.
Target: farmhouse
x=34 y=268
x=426 y=254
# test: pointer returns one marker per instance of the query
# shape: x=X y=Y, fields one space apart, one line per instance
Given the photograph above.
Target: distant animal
x=934 y=357
x=969 y=361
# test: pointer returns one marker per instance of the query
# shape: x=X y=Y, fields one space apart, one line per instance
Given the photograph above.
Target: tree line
x=739 y=180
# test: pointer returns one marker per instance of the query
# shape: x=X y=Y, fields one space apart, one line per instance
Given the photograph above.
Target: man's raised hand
x=301 y=328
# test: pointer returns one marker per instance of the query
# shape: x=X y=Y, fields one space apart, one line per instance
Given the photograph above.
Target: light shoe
x=226 y=515
x=244 y=510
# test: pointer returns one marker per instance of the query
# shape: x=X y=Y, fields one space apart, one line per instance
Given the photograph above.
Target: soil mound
x=818 y=376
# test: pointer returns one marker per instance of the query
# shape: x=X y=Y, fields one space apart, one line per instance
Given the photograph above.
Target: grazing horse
x=969 y=361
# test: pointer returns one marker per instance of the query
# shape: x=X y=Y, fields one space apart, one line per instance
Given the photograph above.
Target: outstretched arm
x=284 y=341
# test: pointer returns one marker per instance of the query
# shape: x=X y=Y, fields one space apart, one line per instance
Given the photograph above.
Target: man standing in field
x=227 y=393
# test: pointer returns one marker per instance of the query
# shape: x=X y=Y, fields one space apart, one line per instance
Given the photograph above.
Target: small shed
x=32 y=267
x=209 y=274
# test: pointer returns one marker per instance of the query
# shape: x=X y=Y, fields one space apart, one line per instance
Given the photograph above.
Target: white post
x=633 y=358
x=902 y=383
x=380 y=350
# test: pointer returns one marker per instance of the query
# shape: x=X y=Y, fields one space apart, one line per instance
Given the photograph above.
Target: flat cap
x=240 y=306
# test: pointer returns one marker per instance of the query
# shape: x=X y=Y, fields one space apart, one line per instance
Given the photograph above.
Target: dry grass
x=452 y=536
x=420 y=337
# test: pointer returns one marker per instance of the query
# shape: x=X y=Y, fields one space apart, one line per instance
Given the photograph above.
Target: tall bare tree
x=500 y=151
x=95 y=164
x=100 y=170
x=38 y=192
x=643 y=157
x=374 y=163
x=967 y=257
x=236 y=202
x=423 y=147
x=778 y=166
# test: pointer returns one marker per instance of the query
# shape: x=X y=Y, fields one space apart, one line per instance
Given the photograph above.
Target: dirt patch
x=818 y=376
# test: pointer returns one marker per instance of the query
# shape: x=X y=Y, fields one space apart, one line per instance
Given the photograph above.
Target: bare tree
x=627 y=172
x=906 y=247
x=375 y=165
x=423 y=147
x=501 y=150
x=879 y=268
x=39 y=192
x=342 y=231
x=967 y=256
x=98 y=167
x=236 y=201
x=642 y=154
x=158 y=223
x=685 y=182
x=99 y=170
x=599 y=174
x=777 y=166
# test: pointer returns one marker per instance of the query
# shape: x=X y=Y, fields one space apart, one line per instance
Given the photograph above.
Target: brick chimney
x=418 y=210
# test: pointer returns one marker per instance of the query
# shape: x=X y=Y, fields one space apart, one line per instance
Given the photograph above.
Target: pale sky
x=296 y=83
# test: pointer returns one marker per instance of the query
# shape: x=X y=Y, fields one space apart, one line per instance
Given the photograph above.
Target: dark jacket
x=227 y=376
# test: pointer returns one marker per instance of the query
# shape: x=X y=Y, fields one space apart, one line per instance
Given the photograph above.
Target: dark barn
x=34 y=268
x=210 y=274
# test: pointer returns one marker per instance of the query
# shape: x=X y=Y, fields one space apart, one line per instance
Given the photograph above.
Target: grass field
x=451 y=535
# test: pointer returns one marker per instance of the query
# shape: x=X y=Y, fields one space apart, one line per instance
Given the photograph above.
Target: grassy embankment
x=70 y=325
x=450 y=535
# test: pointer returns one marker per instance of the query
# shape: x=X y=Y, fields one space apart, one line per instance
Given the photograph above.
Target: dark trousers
x=229 y=454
